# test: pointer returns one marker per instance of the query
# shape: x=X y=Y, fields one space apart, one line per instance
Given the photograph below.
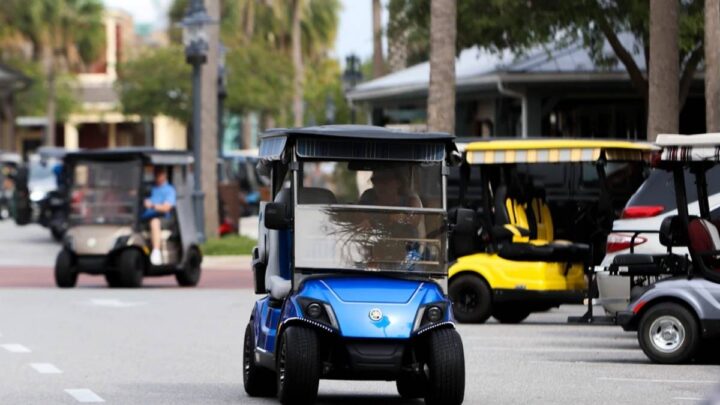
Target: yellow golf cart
x=542 y=209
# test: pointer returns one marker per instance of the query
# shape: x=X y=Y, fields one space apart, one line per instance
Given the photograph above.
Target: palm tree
x=65 y=35
x=378 y=60
x=663 y=98
x=441 y=93
x=712 y=65
x=297 y=60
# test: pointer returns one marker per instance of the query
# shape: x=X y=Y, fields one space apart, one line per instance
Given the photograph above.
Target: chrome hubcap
x=667 y=334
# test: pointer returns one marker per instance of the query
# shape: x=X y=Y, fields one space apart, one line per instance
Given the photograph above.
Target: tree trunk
x=50 y=108
x=299 y=71
x=664 y=69
x=249 y=20
x=378 y=60
x=441 y=93
x=712 y=65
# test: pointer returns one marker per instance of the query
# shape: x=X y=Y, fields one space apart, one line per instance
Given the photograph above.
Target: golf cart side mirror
x=462 y=236
x=277 y=216
x=672 y=233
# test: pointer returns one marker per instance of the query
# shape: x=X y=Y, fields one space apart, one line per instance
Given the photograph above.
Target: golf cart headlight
x=314 y=310
x=434 y=313
x=37 y=195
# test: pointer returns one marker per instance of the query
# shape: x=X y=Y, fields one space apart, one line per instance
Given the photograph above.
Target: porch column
x=112 y=135
x=72 y=136
x=532 y=106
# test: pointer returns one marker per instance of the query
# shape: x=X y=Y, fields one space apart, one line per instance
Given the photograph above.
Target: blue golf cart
x=352 y=257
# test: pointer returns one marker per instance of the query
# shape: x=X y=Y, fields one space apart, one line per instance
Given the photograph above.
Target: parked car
x=637 y=230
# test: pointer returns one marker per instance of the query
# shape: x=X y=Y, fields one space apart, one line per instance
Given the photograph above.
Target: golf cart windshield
x=105 y=192
x=370 y=216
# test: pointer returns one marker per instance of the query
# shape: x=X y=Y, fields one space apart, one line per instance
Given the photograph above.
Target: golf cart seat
x=316 y=195
x=510 y=216
x=705 y=241
x=276 y=281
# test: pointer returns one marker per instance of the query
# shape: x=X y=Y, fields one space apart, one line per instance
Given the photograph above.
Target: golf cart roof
x=689 y=148
x=152 y=155
x=504 y=151
x=10 y=158
x=349 y=140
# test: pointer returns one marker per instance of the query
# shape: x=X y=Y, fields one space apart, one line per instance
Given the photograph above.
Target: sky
x=354 y=32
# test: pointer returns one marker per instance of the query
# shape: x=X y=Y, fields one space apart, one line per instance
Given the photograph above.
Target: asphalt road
x=183 y=346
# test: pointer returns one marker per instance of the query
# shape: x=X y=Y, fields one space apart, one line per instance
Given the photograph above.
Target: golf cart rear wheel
x=65 y=273
x=411 y=386
x=510 y=313
x=189 y=276
x=258 y=381
x=298 y=366
x=130 y=268
x=445 y=368
x=471 y=298
x=669 y=333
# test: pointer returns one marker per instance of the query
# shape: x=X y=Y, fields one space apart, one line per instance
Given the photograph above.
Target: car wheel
x=65 y=272
x=189 y=276
x=298 y=366
x=669 y=333
x=471 y=298
x=510 y=313
x=445 y=368
x=131 y=265
x=258 y=381
x=410 y=385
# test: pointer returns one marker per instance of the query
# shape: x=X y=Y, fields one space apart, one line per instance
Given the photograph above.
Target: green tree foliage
x=519 y=25
x=321 y=83
x=33 y=100
x=157 y=82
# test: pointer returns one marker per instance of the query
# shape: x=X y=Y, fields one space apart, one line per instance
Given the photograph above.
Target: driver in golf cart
x=158 y=206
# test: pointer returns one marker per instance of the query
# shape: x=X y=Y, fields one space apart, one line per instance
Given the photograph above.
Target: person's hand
x=148 y=204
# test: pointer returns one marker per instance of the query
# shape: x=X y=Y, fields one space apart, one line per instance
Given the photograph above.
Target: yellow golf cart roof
x=689 y=148
x=507 y=151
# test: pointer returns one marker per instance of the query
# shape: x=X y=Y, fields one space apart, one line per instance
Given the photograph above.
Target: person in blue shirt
x=161 y=202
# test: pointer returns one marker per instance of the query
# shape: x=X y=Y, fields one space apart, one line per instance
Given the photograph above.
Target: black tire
x=669 y=333
x=510 y=313
x=258 y=381
x=471 y=298
x=298 y=366
x=445 y=368
x=410 y=386
x=65 y=273
x=189 y=276
x=130 y=268
x=113 y=280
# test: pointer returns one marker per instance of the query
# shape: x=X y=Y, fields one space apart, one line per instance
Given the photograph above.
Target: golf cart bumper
x=369 y=359
x=550 y=297
x=627 y=320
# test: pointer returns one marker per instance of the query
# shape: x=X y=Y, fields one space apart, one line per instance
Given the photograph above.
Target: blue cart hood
x=353 y=298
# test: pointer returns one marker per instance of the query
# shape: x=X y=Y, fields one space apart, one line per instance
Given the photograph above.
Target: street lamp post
x=195 y=39
x=350 y=78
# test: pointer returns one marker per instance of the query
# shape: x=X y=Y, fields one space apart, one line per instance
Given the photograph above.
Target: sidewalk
x=229 y=263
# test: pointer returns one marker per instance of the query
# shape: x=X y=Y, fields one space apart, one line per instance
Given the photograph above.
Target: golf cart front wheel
x=445 y=368
x=65 y=273
x=258 y=381
x=298 y=366
x=131 y=265
x=471 y=298
x=189 y=276
x=669 y=333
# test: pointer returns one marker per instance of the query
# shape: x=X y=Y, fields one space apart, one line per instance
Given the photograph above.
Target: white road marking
x=651 y=380
x=84 y=395
x=45 y=368
x=114 y=303
x=15 y=348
